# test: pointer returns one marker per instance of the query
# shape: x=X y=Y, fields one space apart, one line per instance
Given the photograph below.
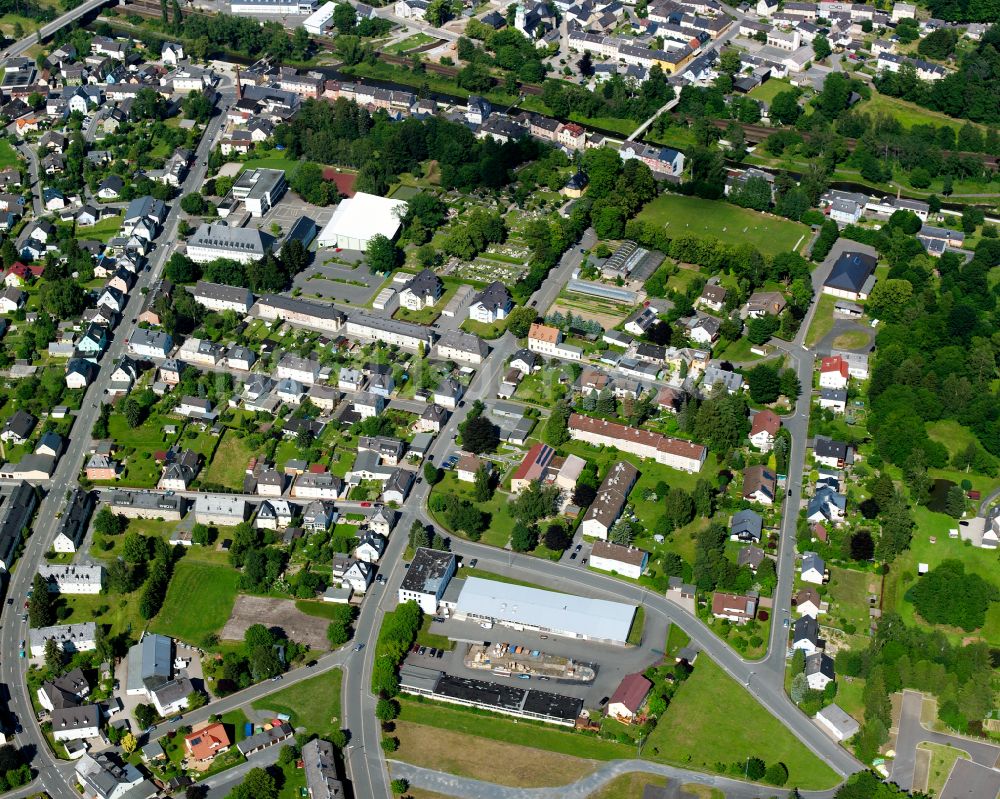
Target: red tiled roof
x=765 y=420
x=673 y=446
x=534 y=463
x=834 y=364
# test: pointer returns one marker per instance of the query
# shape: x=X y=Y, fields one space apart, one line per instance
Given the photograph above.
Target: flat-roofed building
x=526 y=608
x=427 y=578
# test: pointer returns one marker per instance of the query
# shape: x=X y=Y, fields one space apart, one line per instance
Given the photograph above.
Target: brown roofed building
x=674 y=452
x=759 y=485
x=629 y=696
x=733 y=607
x=532 y=468
x=610 y=500
x=763 y=429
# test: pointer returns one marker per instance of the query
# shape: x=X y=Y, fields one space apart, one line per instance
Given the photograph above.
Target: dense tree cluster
x=343 y=133
x=271 y=273
x=938 y=599
x=395 y=637
x=909 y=657
x=936 y=355
x=968 y=93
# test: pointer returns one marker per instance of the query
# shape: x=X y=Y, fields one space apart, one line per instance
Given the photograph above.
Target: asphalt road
x=48 y=30
x=55 y=775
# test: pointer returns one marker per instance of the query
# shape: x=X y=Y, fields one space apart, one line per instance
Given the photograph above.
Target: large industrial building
x=277 y=7
x=321 y=20
x=360 y=219
x=525 y=608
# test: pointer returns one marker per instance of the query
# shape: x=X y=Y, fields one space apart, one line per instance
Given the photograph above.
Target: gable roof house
x=763 y=429
x=852 y=276
x=805 y=635
x=813 y=568
x=734 y=607
x=628 y=697
x=746 y=525
x=759 y=485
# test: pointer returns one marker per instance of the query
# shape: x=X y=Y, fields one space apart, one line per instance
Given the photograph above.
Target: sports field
x=729 y=223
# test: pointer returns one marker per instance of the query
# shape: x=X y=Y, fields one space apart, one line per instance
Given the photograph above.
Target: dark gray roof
x=850 y=271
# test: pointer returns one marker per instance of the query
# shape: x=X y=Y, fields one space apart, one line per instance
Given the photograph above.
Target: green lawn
x=501 y=522
x=426 y=638
x=313 y=703
x=8 y=155
x=484 y=330
x=903 y=571
x=119 y=611
x=268 y=159
x=953 y=435
x=199 y=601
x=410 y=43
x=769 y=89
x=102 y=231
x=822 y=321
x=909 y=114
x=739 y=350
x=848 y=598
x=228 y=467
x=693 y=734
x=734 y=225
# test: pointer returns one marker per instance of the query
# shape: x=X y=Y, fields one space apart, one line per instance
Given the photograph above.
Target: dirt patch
x=275 y=613
x=483 y=759
x=606 y=320
x=921 y=767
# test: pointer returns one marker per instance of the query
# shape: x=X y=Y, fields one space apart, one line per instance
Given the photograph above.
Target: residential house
x=18 y=427
x=734 y=607
x=807 y=602
x=422 y=291
x=712 y=297
x=205 y=743
x=813 y=568
x=610 y=557
x=491 y=305
x=759 y=485
x=765 y=303
x=750 y=556
x=747 y=526
x=370 y=547
x=763 y=429
x=612 y=496
x=805 y=635
x=833 y=373
x=828 y=452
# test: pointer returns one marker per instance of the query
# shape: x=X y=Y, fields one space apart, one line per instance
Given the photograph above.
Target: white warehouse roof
x=565 y=614
x=363 y=217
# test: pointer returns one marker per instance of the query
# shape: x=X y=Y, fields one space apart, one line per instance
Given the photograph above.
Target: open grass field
x=102 y=231
x=903 y=573
x=822 y=321
x=511 y=731
x=908 y=114
x=482 y=759
x=313 y=703
x=228 y=467
x=769 y=89
x=120 y=611
x=692 y=736
x=739 y=351
x=728 y=223
x=199 y=601
x=8 y=155
x=953 y=435
x=851 y=340
x=848 y=598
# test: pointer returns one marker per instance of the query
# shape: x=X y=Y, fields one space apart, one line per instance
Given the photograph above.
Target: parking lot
x=611 y=663
x=339 y=282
